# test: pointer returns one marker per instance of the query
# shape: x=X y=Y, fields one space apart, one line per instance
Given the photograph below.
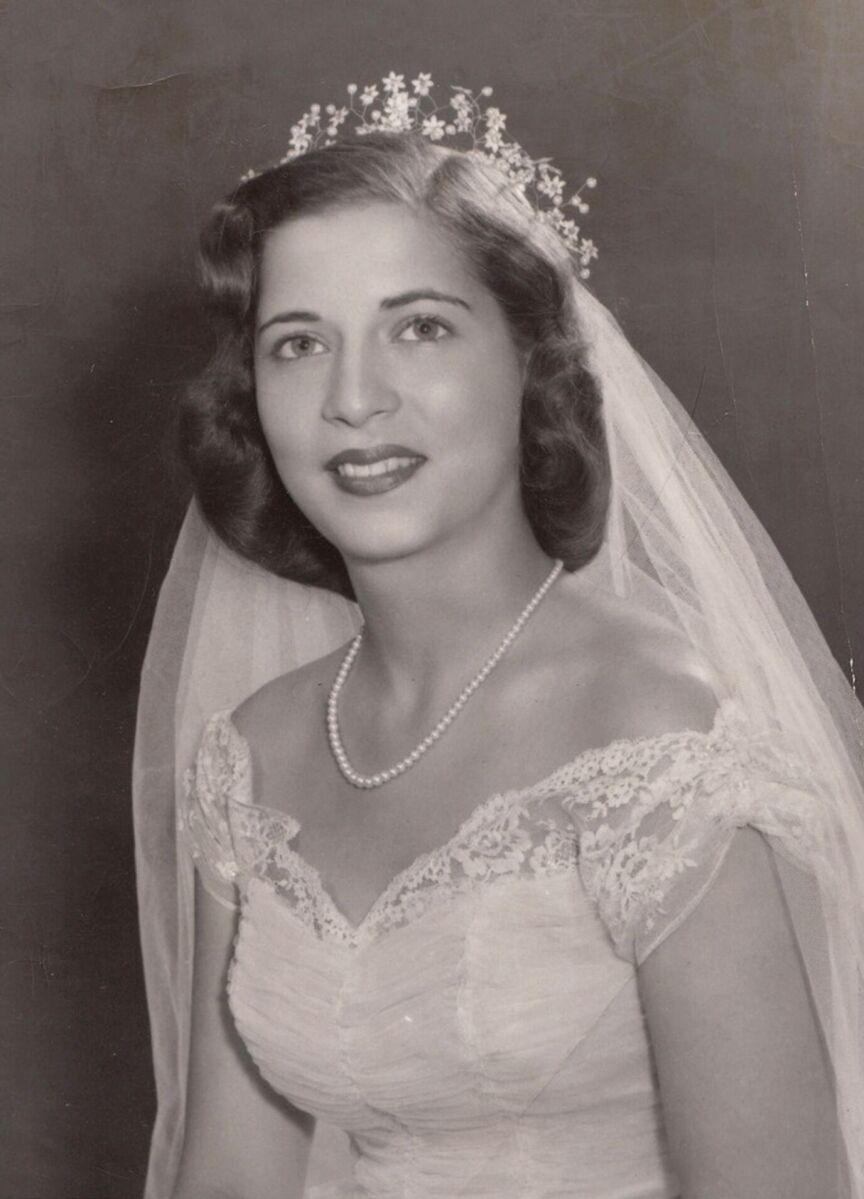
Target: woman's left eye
x=424 y=328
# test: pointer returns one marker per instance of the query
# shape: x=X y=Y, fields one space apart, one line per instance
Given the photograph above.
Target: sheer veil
x=681 y=541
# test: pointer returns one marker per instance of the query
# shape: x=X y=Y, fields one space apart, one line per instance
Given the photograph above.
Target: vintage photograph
x=433 y=599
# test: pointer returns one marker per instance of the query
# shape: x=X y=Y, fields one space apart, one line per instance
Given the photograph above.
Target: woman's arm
x=746 y=1090
x=242 y=1140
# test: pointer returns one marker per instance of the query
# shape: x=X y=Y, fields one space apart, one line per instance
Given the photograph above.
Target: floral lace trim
x=650 y=818
x=499 y=839
x=605 y=800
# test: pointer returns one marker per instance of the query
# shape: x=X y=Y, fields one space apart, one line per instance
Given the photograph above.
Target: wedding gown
x=480 y=1033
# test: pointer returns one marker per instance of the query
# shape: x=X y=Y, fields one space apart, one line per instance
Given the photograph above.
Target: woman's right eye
x=300 y=345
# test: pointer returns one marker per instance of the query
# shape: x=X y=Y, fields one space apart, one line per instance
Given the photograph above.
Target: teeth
x=356 y=470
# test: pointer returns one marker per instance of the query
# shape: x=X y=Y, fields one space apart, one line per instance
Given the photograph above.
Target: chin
x=370 y=546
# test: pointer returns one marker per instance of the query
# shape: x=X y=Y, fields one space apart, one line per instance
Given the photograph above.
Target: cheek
x=282 y=420
x=492 y=406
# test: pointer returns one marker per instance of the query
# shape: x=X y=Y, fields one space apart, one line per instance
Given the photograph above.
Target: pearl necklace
x=376 y=780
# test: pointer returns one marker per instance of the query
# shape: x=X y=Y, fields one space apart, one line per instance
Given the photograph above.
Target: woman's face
x=388 y=382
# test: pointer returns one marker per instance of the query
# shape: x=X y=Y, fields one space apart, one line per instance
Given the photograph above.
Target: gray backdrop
x=727 y=140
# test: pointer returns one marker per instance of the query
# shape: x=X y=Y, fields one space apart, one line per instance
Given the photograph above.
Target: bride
x=542 y=882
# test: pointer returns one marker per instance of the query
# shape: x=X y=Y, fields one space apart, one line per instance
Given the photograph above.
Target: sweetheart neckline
x=354 y=933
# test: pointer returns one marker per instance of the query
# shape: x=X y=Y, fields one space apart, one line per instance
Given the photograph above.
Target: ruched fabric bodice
x=480 y=1033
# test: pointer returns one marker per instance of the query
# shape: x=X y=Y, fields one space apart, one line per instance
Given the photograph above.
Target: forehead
x=372 y=248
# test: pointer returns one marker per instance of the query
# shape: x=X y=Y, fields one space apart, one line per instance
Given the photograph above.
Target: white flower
x=434 y=128
x=495 y=119
x=368 y=96
x=352 y=89
x=422 y=84
x=492 y=139
x=299 y=140
x=513 y=156
x=397 y=112
x=393 y=82
x=552 y=187
x=398 y=102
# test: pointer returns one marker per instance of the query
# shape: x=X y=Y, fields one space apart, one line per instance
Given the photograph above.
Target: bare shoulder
x=278 y=718
x=645 y=677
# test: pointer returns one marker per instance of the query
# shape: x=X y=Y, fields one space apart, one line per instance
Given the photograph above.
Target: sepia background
x=726 y=138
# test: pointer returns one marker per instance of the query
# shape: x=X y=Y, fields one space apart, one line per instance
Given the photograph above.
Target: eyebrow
x=405 y=297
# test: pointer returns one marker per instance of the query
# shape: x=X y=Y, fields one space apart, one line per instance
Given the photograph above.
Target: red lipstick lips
x=375 y=470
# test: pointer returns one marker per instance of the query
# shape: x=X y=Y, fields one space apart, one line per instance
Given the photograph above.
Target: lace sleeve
x=658 y=819
x=221 y=773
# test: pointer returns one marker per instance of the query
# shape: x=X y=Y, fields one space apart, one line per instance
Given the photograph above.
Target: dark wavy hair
x=565 y=473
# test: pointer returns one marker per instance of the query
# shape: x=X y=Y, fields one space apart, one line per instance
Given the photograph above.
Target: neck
x=432 y=617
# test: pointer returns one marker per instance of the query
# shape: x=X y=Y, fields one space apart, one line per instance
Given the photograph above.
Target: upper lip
x=375 y=453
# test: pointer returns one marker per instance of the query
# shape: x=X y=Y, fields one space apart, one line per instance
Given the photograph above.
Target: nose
x=359 y=388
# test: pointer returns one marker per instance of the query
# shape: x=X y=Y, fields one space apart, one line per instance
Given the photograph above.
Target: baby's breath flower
x=422 y=84
x=552 y=187
x=495 y=118
x=299 y=140
x=369 y=95
x=393 y=82
x=434 y=128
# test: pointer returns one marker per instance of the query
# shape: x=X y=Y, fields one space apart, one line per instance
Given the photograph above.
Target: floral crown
x=466 y=119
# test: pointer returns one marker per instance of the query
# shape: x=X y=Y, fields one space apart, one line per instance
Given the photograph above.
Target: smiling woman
x=383 y=232
x=599 y=932
x=450 y=398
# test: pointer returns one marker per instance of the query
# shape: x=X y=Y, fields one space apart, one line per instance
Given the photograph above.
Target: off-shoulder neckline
x=726 y=709
x=549 y=784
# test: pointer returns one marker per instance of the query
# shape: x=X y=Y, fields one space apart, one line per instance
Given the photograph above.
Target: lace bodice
x=630 y=815
x=479 y=1032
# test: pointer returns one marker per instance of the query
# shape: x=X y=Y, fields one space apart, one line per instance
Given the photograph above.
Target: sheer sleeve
x=660 y=815
x=221 y=774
